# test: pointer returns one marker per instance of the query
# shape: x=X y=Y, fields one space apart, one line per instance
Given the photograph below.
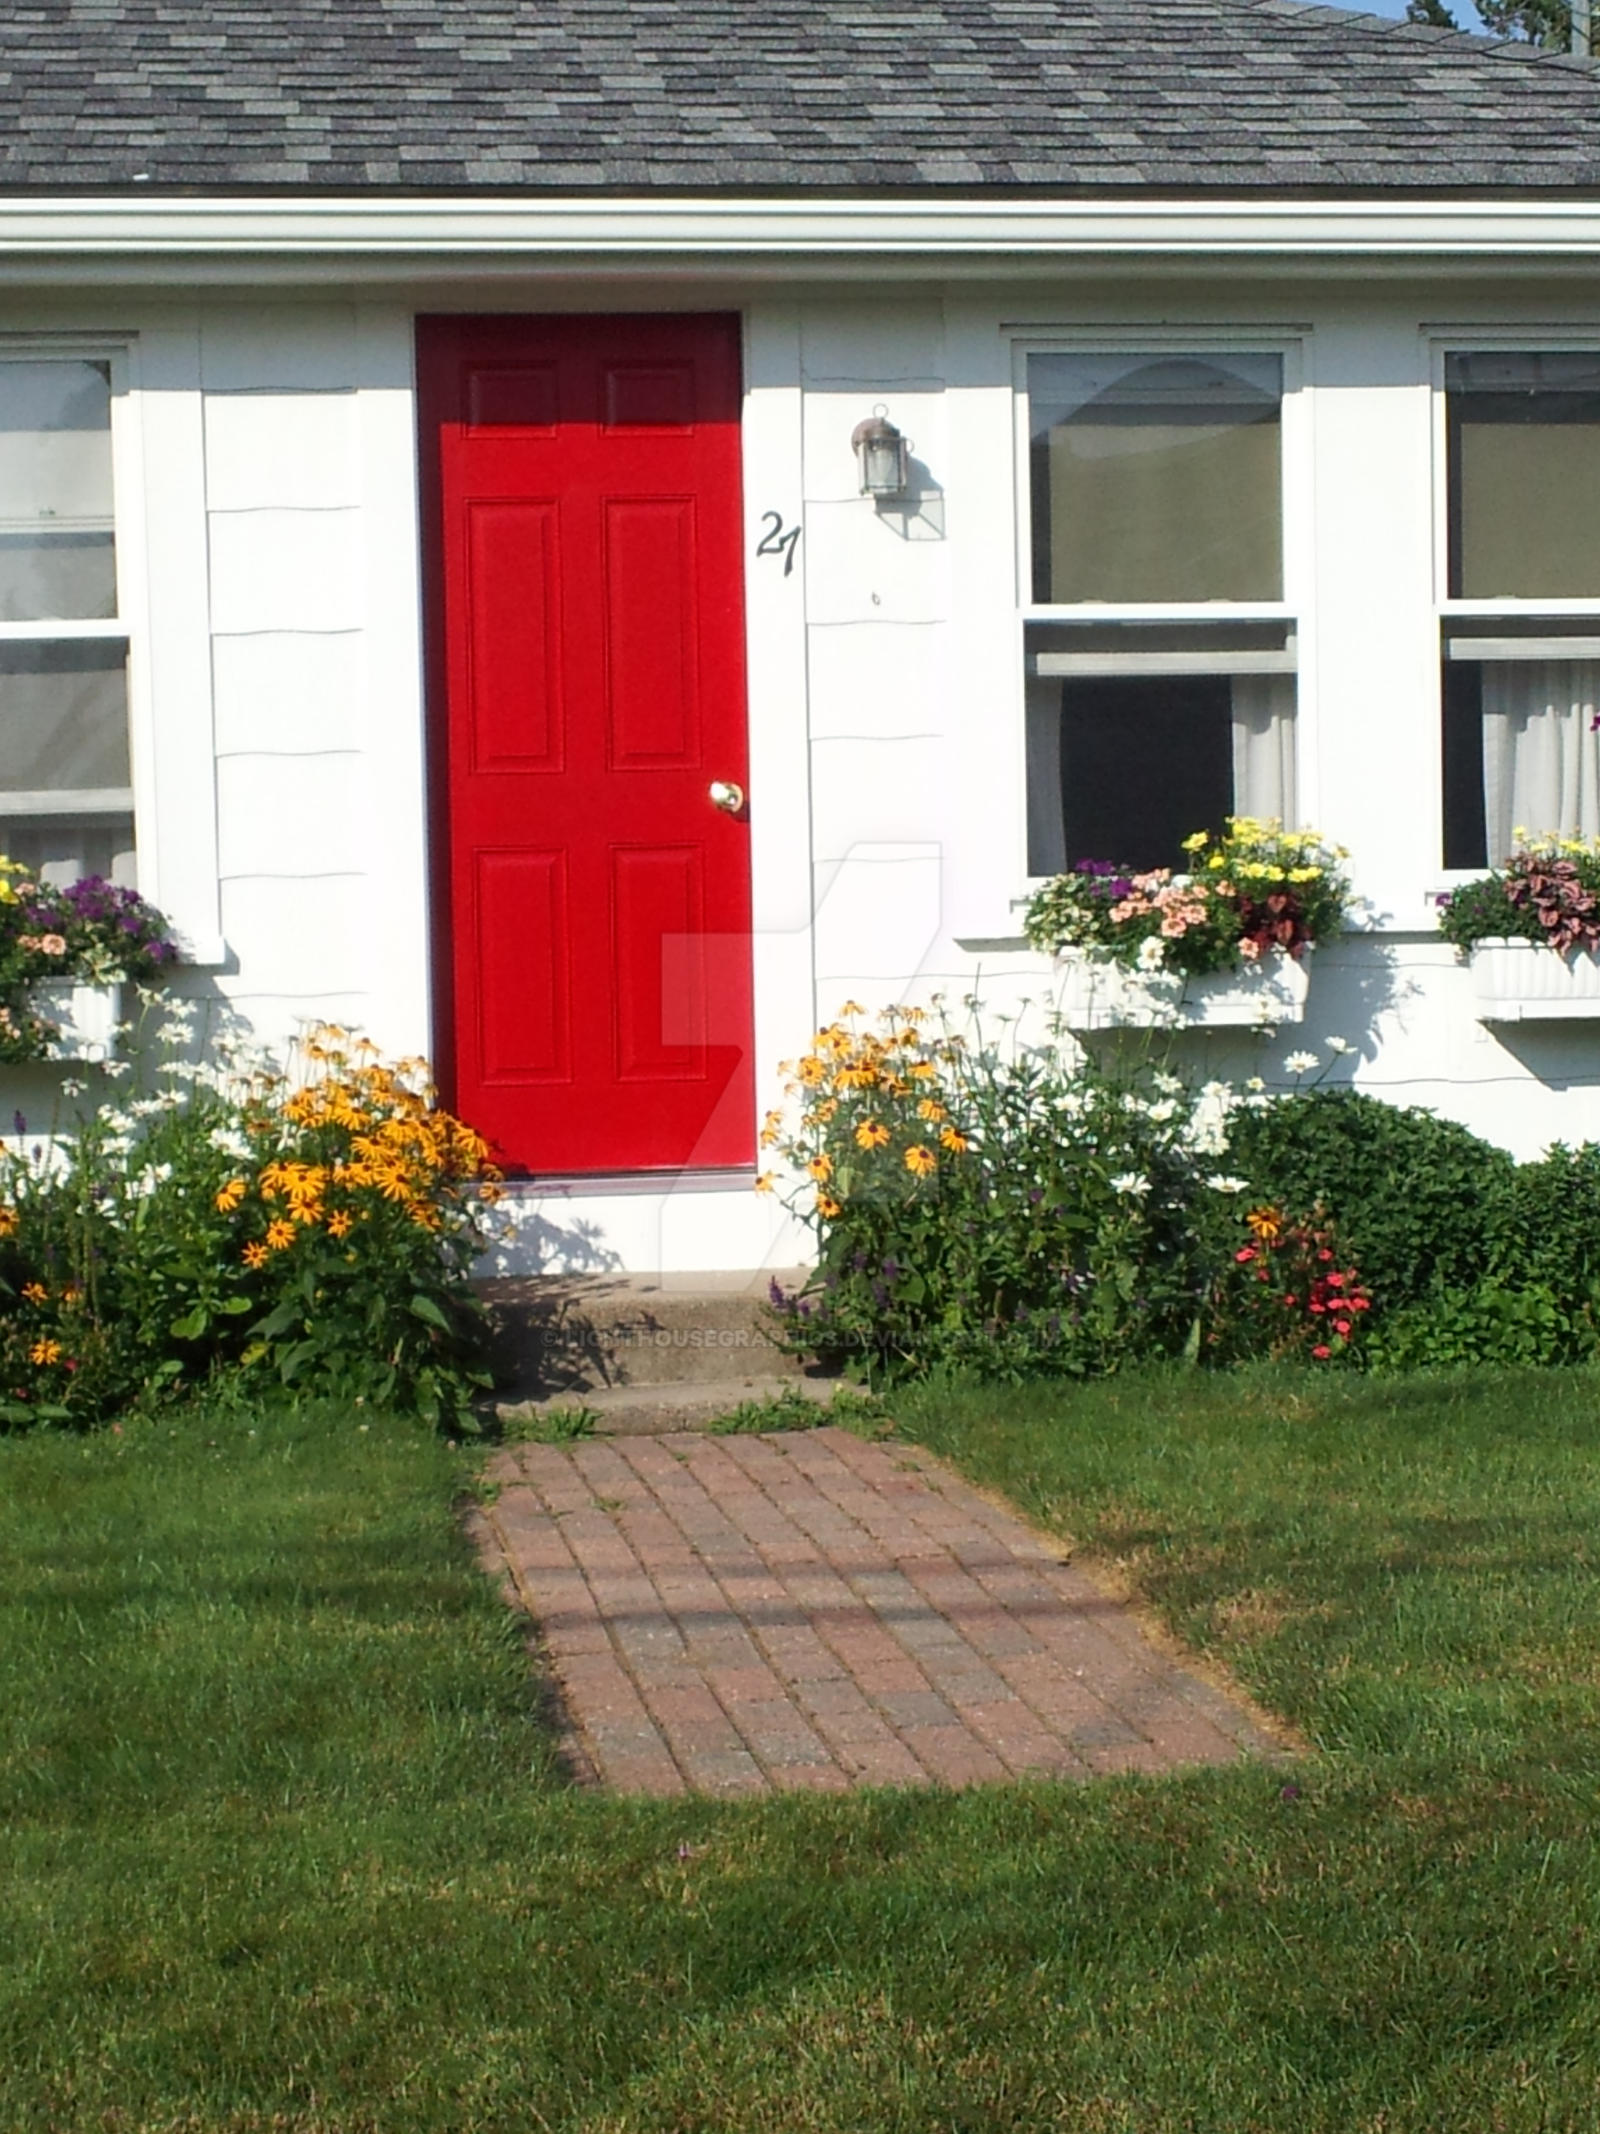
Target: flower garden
x=1016 y=1211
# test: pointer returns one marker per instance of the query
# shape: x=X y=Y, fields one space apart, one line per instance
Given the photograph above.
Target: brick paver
x=806 y=1610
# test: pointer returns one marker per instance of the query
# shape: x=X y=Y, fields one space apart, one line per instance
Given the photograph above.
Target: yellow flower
x=771 y=1125
x=764 y=1184
x=852 y=1007
x=35 y=1292
x=871 y=1135
x=920 y=1161
x=954 y=1142
x=821 y=1168
x=812 y=1070
x=230 y=1195
x=279 y=1234
x=44 y=1352
x=827 y=1207
x=8 y=1222
x=339 y=1224
x=254 y=1255
x=1265 y=1224
x=932 y=1110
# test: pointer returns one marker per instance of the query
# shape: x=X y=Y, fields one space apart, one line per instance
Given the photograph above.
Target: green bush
x=1492 y=1323
x=1007 y=1213
x=317 y=1229
x=1420 y=1203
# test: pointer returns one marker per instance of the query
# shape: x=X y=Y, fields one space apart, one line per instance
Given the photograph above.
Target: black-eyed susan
x=230 y=1195
x=45 y=1351
x=872 y=1134
x=919 y=1161
x=254 y=1254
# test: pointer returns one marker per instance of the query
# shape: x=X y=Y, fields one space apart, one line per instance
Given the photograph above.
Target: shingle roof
x=761 y=95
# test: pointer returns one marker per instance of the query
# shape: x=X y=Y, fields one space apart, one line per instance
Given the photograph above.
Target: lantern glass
x=884 y=455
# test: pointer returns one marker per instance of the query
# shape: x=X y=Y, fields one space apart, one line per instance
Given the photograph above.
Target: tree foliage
x=1547 y=23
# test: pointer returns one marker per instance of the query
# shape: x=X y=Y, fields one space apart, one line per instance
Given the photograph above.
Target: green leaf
x=425 y=1309
x=279 y=1321
x=192 y=1325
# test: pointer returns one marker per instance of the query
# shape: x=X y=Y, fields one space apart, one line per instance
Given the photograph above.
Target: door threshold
x=579 y=1185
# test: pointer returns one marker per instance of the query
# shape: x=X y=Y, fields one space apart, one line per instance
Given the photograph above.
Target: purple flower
x=19 y=1123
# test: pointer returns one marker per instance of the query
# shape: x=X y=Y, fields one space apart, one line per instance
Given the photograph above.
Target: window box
x=1095 y=995
x=1524 y=982
x=86 y=1017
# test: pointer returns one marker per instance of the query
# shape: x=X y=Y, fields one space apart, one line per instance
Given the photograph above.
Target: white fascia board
x=988 y=235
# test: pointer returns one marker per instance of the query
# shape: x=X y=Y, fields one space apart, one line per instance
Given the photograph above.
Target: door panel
x=582 y=490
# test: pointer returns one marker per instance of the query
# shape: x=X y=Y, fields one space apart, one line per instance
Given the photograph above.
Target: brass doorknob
x=727 y=796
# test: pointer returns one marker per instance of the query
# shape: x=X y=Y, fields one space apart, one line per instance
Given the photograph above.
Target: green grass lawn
x=281 y=1848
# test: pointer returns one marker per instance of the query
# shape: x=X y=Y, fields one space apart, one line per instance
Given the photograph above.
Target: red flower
x=1321 y=1353
x=1342 y=1327
x=1246 y=1253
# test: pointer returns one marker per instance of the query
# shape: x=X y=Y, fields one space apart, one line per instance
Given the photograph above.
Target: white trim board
x=990 y=235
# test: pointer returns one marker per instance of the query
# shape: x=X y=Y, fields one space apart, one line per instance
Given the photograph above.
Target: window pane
x=1537 y=754
x=1524 y=473
x=1156 y=478
x=1126 y=767
x=57 y=556
x=63 y=849
x=63 y=719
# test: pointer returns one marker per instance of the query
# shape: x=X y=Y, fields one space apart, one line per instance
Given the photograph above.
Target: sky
x=1463 y=10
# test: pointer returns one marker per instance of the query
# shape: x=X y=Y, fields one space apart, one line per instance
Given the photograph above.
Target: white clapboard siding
x=873 y=792
x=288 y=693
x=286 y=570
x=293 y=451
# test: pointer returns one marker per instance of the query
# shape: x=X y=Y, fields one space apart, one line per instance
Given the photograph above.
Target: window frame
x=1443 y=341
x=124 y=627
x=1292 y=346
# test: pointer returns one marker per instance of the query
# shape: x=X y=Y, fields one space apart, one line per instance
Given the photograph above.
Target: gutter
x=986 y=236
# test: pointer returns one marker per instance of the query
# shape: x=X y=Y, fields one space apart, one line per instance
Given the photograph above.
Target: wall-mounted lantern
x=883 y=454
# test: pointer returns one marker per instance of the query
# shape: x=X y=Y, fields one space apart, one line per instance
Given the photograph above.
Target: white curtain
x=1541 y=756
x=1263 y=747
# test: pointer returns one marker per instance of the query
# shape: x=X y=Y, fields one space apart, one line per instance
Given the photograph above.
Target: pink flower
x=1322 y=1354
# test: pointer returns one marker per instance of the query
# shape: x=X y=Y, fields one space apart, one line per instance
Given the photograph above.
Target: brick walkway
x=733 y=1614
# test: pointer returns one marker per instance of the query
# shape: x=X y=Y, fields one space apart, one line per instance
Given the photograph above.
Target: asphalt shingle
x=843 y=95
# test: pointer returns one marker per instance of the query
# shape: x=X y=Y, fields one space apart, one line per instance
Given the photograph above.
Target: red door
x=582 y=497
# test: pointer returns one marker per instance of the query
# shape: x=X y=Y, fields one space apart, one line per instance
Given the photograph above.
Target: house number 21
x=778 y=540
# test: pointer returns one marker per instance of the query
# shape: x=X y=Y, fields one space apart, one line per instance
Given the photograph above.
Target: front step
x=654 y=1411
x=574 y=1336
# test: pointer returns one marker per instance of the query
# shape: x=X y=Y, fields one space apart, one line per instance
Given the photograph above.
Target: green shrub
x=317 y=1228
x=1419 y=1201
x=1491 y=1323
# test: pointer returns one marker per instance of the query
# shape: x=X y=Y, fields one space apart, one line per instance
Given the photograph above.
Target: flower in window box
x=1256 y=889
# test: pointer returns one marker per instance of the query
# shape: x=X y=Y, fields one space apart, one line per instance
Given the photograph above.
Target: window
x=66 y=799
x=1159 y=652
x=1521 y=618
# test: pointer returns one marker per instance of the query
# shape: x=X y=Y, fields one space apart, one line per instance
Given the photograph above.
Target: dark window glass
x=1145 y=761
x=1466 y=841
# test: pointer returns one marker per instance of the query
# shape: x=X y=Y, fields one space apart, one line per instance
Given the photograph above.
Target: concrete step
x=653 y=1411
x=578 y=1334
